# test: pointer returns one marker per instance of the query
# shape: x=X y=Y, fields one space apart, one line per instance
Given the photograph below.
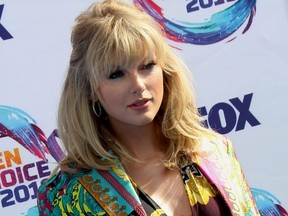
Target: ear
x=95 y=96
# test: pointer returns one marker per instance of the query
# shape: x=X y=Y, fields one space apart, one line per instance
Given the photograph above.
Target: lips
x=140 y=104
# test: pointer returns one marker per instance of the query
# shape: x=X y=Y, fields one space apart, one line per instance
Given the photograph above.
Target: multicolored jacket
x=98 y=192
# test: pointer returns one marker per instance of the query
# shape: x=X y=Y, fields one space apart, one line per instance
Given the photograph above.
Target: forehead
x=121 y=58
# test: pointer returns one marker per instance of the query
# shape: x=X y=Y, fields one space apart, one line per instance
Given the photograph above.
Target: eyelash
x=116 y=74
x=148 y=66
x=119 y=73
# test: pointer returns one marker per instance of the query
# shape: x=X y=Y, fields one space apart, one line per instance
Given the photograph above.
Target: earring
x=96 y=106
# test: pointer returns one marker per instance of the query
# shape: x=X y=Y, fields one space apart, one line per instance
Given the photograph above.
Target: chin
x=144 y=121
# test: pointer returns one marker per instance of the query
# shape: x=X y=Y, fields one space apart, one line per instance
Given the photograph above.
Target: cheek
x=109 y=95
x=157 y=82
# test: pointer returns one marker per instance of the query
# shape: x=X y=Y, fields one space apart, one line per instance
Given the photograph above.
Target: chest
x=167 y=190
x=182 y=193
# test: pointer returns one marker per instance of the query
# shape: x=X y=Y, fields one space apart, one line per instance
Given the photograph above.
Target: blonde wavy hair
x=113 y=32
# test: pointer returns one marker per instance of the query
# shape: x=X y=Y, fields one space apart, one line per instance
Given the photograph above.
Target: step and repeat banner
x=236 y=49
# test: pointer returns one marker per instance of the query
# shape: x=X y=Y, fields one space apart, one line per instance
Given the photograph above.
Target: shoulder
x=215 y=142
x=58 y=185
x=63 y=194
x=217 y=149
x=60 y=181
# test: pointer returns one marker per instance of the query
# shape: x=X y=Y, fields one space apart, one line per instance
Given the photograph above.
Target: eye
x=148 y=66
x=116 y=74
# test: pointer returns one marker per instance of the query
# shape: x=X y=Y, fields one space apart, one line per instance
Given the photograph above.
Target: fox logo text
x=223 y=117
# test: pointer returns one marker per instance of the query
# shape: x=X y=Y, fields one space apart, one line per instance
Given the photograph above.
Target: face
x=132 y=96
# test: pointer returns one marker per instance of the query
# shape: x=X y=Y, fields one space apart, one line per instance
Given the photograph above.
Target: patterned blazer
x=98 y=192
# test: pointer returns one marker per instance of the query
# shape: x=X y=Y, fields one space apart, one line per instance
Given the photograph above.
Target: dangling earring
x=96 y=106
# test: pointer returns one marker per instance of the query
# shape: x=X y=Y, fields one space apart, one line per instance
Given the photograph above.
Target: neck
x=145 y=143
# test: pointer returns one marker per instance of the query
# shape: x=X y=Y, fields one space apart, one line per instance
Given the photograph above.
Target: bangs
x=122 y=46
x=128 y=50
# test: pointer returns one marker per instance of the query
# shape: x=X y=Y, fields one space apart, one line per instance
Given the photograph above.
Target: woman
x=134 y=140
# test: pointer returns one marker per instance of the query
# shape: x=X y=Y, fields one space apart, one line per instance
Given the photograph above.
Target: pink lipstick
x=140 y=104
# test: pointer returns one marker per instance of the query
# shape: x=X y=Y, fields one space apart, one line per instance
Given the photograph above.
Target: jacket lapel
x=216 y=165
x=217 y=181
x=113 y=191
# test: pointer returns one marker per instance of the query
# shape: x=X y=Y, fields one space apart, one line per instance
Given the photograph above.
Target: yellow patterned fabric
x=199 y=190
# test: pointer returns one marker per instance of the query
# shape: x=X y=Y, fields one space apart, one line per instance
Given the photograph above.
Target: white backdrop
x=243 y=82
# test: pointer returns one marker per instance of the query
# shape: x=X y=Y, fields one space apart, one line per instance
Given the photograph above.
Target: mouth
x=140 y=104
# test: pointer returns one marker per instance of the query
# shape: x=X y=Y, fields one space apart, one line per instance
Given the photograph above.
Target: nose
x=137 y=83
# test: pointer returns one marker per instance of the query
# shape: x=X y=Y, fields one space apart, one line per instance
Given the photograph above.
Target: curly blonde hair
x=118 y=32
